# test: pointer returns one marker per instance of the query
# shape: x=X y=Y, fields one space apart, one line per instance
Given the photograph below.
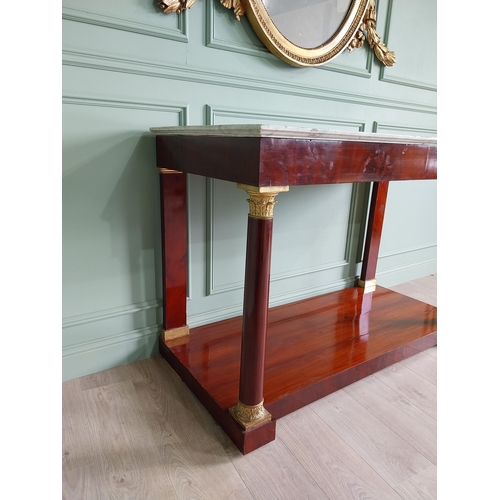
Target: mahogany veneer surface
x=314 y=347
x=174 y=237
x=295 y=162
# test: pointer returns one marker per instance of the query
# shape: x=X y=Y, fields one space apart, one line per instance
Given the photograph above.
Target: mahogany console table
x=251 y=370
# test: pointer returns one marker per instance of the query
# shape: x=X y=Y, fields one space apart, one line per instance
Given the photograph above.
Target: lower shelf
x=314 y=347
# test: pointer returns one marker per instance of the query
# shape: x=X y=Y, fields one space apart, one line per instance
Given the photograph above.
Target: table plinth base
x=314 y=347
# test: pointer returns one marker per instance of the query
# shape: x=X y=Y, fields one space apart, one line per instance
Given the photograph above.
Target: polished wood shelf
x=314 y=347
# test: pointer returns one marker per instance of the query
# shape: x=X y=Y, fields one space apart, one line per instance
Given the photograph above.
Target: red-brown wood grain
x=294 y=162
x=233 y=159
x=314 y=347
x=174 y=248
x=255 y=309
x=302 y=162
x=374 y=230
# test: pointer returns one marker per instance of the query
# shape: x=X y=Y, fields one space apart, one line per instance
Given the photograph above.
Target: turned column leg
x=249 y=412
x=373 y=236
x=174 y=252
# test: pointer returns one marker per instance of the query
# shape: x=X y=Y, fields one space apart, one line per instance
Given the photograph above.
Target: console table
x=251 y=370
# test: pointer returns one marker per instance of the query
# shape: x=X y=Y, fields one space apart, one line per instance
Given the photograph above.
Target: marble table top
x=283 y=132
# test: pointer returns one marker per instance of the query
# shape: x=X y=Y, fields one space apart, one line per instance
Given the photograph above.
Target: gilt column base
x=250 y=416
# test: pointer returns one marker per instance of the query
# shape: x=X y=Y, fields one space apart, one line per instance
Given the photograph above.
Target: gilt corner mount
x=291 y=31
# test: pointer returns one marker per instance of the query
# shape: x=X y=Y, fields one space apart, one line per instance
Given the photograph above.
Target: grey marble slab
x=283 y=132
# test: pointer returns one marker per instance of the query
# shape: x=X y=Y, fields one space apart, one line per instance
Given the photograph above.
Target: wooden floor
x=136 y=432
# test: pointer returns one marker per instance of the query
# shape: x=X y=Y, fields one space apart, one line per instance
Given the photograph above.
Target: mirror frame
x=361 y=17
x=295 y=55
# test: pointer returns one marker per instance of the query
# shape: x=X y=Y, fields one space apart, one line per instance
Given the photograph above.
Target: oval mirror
x=307 y=24
x=306 y=32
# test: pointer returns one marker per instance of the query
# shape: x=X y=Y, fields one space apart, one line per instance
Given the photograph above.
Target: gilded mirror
x=306 y=32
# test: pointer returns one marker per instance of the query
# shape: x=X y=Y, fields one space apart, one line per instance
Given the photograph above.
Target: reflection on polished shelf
x=249 y=371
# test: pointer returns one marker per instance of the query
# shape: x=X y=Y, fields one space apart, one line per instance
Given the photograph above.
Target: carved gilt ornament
x=262 y=200
x=250 y=416
x=306 y=33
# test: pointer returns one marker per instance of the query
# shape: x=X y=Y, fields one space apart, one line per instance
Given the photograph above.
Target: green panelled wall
x=128 y=67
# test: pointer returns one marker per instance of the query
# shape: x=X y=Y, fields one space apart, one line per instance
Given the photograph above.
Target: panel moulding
x=180 y=109
x=110 y=340
x=400 y=274
x=406 y=82
x=203 y=76
x=401 y=251
x=109 y=352
x=403 y=129
x=213 y=114
x=83 y=319
x=179 y=35
x=213 y=42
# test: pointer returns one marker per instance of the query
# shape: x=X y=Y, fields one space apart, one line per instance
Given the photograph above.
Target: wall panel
x=134 y=16
x=128 y=67
x=110 y=224
x=417 y=61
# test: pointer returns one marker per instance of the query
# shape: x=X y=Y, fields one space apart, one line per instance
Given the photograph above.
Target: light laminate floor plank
x=106 y=377
x=274 y=473
x=412 y=424
x=81 y=484
x=423 y=486
x=192 y=446
x=335 y=466
x=424 y=365
x=432 y=352
x=128 y=463
x=379 y=446
x=76 y=446
x=413 y=387
x=424 y=289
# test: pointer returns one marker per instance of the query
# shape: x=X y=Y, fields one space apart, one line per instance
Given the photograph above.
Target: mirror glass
x=307 y=23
